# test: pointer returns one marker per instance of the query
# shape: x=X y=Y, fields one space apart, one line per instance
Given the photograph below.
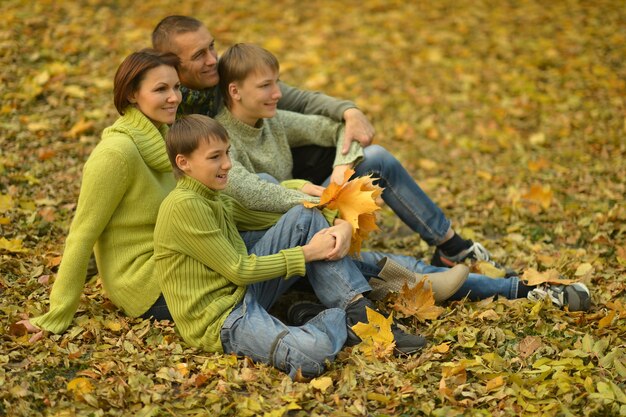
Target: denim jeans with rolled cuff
x=251 y=331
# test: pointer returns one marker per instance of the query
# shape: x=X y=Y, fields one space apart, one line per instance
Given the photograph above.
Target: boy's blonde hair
x=241 y=60
x=186 y=134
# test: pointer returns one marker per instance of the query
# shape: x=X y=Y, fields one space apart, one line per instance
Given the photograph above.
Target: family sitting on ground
x=203 y=215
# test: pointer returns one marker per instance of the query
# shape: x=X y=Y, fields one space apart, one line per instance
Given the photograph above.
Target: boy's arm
x=190 y=227
x=358 y=127
x=257 y=194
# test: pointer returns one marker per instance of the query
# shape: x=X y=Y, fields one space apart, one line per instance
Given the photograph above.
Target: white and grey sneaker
x=575 y=296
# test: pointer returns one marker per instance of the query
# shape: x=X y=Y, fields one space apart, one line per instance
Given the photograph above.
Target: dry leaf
x=355 y=201
x=418 y=302
x=532 y=277
x=377 y=338
x=321 y=383
x=529 y=345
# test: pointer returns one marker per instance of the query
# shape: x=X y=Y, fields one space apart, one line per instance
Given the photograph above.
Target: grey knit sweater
x=266 y=149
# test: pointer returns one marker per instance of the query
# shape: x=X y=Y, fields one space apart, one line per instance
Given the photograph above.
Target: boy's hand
x=358 y=128
x=342 y=231
x=312 y=189
x=338 y=173
x=320 y=245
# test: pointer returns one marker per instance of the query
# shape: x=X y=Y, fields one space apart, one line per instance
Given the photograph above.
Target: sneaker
x=475 y=252
x=393 y=276
x=575 y=296
x=356 y=313
x=301 y=312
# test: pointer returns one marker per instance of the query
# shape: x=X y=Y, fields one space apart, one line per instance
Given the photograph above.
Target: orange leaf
x=606 y=320
x=540 y=195
x=355 y=200
x=494 y=383
x=417 y=302
x=533 y=277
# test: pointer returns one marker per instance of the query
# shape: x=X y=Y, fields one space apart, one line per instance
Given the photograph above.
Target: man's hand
x=312 y=189
x=358 y=128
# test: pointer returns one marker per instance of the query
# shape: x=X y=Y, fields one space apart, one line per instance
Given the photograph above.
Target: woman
x=125 y=179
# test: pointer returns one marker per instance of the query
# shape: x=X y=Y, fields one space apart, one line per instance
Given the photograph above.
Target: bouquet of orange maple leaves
x=355 y=200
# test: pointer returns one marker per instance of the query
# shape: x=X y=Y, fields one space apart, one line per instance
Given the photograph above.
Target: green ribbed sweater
x=202 y=263
x=125 y=179
x=267 y=148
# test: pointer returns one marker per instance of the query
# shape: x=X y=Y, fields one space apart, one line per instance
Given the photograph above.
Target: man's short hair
x=241 y=60
x=186 y=134
x=169 y=27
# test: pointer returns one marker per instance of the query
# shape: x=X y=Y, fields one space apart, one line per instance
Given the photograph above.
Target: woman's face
x=256 y=97
x=158 y=95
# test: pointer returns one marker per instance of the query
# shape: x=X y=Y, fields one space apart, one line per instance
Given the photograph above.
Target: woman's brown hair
x=133 y=70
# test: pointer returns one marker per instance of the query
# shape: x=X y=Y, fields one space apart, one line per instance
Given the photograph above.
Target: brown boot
x=393 y=276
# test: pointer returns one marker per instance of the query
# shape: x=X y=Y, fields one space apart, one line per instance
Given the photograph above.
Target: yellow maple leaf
x=355 y=200
x=13 y=245
x=533 y=277
x=376 y=337
x=418 y=302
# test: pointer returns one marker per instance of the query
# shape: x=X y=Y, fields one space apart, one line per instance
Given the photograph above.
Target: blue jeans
x=477 y=286
x=251 y=331
x=403 y=195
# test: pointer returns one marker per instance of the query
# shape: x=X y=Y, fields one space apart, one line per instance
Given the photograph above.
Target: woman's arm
x=105 y=180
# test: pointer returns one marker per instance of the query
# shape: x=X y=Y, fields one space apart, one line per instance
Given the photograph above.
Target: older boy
x=261 y=134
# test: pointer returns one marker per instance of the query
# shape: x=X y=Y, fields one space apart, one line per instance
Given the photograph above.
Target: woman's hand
x=30 y=328
x=312 y=189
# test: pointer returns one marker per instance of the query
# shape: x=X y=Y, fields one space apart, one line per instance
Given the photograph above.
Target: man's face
x=196 y=50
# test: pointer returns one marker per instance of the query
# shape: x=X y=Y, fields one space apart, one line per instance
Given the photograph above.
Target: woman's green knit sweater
x=125 y=179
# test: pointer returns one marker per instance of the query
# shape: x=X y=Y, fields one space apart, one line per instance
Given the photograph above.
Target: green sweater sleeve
x=204 y=233
x=308 y=102
x=105 y=174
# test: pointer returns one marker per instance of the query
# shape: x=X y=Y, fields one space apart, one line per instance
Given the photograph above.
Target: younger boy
x=218 y=291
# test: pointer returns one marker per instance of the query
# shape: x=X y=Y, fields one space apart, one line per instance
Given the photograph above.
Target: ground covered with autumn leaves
x=510 y=114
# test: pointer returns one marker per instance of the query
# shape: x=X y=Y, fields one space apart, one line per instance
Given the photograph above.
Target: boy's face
x=257 y=96
x=209 y=163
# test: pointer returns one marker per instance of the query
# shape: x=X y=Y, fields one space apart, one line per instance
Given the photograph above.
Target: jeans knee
x=304 y=355
x=377 y=159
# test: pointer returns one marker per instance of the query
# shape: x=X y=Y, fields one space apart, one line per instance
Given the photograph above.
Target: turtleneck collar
x=149 y=140
x=196 y=186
